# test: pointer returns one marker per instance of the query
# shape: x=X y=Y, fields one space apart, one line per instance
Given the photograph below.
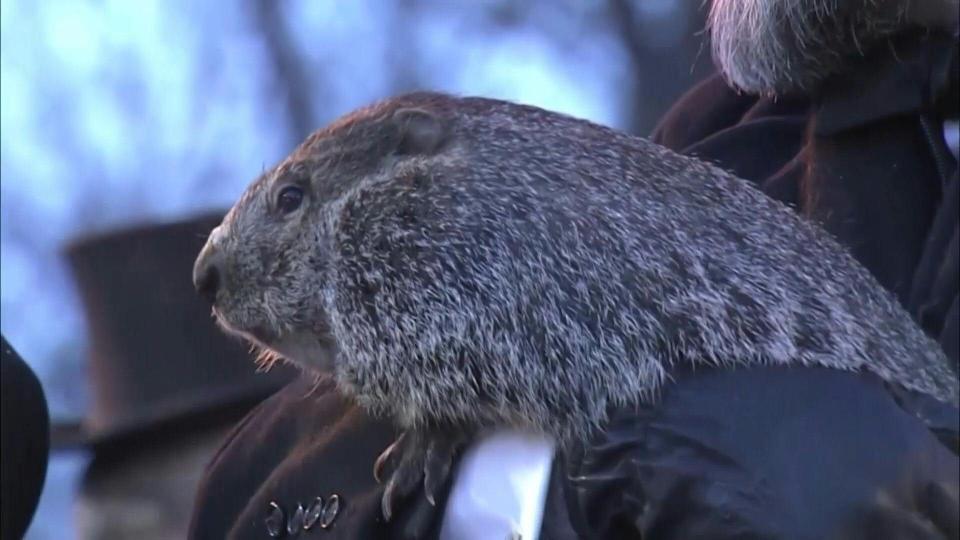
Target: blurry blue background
x=116 y=113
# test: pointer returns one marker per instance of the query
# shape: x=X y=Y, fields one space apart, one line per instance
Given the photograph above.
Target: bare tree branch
x=660 y=74
x=288 y=67
x=403 y=57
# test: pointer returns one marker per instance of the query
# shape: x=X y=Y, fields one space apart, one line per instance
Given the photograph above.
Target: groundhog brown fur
x=466 y=263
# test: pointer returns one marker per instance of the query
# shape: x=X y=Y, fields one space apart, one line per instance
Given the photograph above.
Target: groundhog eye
x=289 y=199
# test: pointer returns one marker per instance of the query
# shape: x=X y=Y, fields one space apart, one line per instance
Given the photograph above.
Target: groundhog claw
x=414 y=458
x=436 y=466
x=387 y=460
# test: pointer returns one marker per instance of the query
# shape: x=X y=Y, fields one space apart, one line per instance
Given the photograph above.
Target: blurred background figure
x=24 y=442
x=140 y=116
x=166 y=384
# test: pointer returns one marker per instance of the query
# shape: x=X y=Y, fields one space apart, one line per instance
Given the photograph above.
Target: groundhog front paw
x=414 y=457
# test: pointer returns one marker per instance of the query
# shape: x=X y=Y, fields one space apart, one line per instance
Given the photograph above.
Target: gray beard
x=772 y=47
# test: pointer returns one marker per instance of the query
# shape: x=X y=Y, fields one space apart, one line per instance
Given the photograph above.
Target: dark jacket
x=24 y=442
x=767 y=452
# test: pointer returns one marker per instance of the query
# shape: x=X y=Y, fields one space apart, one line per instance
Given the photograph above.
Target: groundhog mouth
x=263 y=334
x=313 y=349
x=260 y=334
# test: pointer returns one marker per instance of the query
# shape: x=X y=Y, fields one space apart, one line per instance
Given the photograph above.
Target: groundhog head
x=266 y=268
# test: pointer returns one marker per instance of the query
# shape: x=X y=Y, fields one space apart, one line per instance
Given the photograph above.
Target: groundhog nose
x=207 y=274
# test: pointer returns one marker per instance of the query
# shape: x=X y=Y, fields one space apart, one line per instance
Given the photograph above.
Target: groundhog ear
x=420 y=132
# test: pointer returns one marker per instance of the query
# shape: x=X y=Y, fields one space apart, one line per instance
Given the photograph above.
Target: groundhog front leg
x=417 y=455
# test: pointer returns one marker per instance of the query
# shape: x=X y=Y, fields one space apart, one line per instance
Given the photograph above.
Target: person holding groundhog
x=772 y=390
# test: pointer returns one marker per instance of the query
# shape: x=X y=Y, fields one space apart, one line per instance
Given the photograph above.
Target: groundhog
x=467 y=263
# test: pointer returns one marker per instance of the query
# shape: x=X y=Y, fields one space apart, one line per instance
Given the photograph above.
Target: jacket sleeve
x=769 y=453
x=24 y=440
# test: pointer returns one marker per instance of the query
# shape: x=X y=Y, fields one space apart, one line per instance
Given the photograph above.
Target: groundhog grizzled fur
x=465 y=263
